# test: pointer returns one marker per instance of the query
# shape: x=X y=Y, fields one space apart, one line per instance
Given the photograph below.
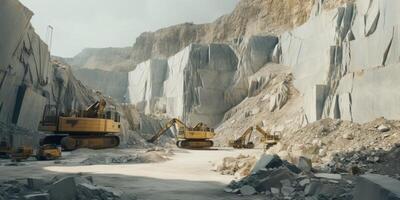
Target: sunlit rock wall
x=109 y=83
x=145 y=86
x=28 y=80
x=197 y=78
x=345 y=60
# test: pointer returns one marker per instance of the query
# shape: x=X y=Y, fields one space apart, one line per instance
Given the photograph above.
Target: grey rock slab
x=375 y=186
x=64 y=189
x=267 y=161
x=41 y=196
x=305 y=164
x=304 y=182
x=36 y=183
x=287 y=190
x=275 y=191
x=329 y=176
x=247 y=190
x=311 y=188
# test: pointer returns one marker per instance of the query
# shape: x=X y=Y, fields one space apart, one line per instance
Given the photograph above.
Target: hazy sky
x=115 y=23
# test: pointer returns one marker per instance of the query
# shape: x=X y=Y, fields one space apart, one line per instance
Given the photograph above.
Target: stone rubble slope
x=79 y=187
x=339 y=145
x=272 y=103
x=278 y=179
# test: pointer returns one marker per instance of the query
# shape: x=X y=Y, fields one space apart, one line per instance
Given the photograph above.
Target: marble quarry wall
x=109 y=83
x=189 y=85
x=145 y=86
x=28 y=79
x=345 y=61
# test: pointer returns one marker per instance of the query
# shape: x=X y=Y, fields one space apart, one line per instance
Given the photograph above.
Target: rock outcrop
x=28 y=79
x=190 y=85
x=343 y=60
x=106 y=59
x=248 y=18
x=110 y=83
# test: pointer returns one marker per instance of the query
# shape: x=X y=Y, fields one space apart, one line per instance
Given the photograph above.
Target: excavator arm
x=266 y=135
x=163 y=130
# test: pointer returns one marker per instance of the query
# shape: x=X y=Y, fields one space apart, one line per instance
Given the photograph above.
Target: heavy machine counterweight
x=92 y=128
x=197 y=137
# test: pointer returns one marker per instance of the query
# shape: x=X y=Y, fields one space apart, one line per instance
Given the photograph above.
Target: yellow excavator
x=91 y=128
x=198 y=137
x=243 y=142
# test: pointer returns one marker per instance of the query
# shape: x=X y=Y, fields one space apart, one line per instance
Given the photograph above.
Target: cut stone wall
x=352 y=50
x=145 y=85
x=109 y=83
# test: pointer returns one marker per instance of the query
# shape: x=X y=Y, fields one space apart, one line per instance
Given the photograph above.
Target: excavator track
x=70 y=143
x=194 y=144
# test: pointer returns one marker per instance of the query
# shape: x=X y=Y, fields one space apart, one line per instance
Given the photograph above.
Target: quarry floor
x=187 y=175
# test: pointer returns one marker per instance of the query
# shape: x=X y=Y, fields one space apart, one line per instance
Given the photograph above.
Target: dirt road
x=187 y=175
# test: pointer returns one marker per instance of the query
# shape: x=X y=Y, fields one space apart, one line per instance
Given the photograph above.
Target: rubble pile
x=367 y=161
x=279 y=179
x=77 y=187
x=239 y=166
x=323 y=140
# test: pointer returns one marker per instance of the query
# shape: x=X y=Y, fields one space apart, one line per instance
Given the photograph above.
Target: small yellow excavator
x=243 y=142
x=198 y=137
x=92 y=128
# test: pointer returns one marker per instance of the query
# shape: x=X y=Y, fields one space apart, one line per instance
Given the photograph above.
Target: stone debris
x=41 y=196
x=305 y=164
x=76 y=187
x=247 y=190
x=239 y=166
x=383 y=128
x=277 y=181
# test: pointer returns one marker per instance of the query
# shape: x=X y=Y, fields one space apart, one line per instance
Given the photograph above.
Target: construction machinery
x=21 y=153
x=198 y=137
x=243 y=142
x=92 y=128
x=48 y=152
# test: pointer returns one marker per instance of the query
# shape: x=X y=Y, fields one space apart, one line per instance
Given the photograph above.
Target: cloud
x=105 y=23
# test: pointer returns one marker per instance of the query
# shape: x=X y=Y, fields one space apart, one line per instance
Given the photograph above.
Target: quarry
x=278 y=99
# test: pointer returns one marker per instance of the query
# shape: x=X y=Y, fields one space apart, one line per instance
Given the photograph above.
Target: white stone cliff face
x=28 y=80
x=345 y=61
x=190 y=85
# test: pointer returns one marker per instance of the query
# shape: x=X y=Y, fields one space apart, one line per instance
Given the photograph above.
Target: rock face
x=250 y=17
x=28 y=80
x=146 y=85
x=190 y=85
x=106 y=59
x=110 y=83
x=343 y=60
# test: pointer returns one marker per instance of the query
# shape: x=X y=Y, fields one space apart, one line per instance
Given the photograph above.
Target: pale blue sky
x=115 y=23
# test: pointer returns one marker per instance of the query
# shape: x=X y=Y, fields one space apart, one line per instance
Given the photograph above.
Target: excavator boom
x=163 y=130
x=188 y=137
x=241 y=142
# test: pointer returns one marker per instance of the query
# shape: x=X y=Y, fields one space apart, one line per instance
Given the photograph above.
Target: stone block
x=64 y=189
x=36 y=183
x=267 y=161
x=41 y=196
x=374 y=186
x=29 y=108
x=305 y=164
